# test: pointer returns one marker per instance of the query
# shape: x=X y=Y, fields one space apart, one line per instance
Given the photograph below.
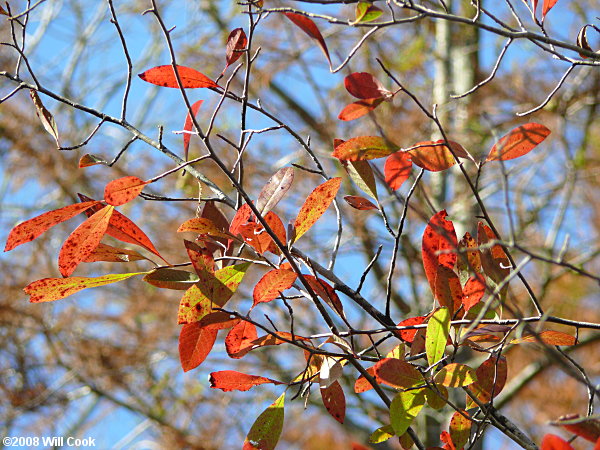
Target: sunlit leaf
x=123 y=190
x=236 y=44
x=195 y=343
x=518 y=142
x=239 y=340
x=272 y=284
x=364 y=148
x=49 y=289
x=359 y=203
x=230 y=380
x=255 y=234
x=437 y=398
x=88 y=160
x=176 y=279
x=219 y=320
x=494 y=261
x=492 y=369
x=381 y=434
x=548 y=337
x=366 y=12
x=438 y=329
x=165 y=76
x=326 y=292
x=405 y=406
x=397 y=169
x=274 y=190
x=586 y=427
x=362 y=174
x=45 y=116
x=334 y=401
x=460 y=428
x=469 y=261
x=83 y=241
x=200 y=225
x=309 y=27
x=438 y=247
x=455 y=375
x=409 y=335
x=554 y=442
x=435 y=156
x=363 y=85
x=358 y=109
x=315 y=205
x=548 y=5
x=362 y=384
x=187 y=128
x=32 y=228
x=266 y=430
x=447 y=289
x=201 y=259
x=397 y=374
x=473 y=291
x=109 y=253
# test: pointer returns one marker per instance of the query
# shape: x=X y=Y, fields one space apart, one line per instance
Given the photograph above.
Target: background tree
x=113 y=348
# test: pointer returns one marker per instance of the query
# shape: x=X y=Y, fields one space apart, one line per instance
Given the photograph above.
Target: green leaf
x=266 y=430
x=382 y=434
x=436 y=399
x=455 y=375
x=438 y=329
x=405 y=407
x=179 y=280
x=362 y=174
x=366 y=12
x=49 y=289
x=364 y=147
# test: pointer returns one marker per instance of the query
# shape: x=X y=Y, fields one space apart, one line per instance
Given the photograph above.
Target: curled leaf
x=187 y=128
x=88 y=160
x=236 y=44
x=45 y=116
x=275 y=189
x=309 y=27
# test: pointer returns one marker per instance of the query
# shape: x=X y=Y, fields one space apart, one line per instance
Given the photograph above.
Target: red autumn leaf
x=363 y=85
x=277 y=338
x=494 y=261
x=274 y=190
x=397 y=374
x=363 y=148
x=255 y=234
x=447 y=440
x=165 y=76
x=309 y=27
x=470 y=261
x=272 y=284
x=460 y=428
x=518 y=142
x=548 y=5
x=334 y=401
x=243 y=215
x=187 y=128
x=201 y=259
x=195 y=343
x=326 y=292
x=553 y=442
x=435 y=156
x=278 y=228
x=548 y=337
x=88 y=160
x=315 y=205
x=239 y=339
x=123 y=190
x=586 y=427
x=473 y=291
x=409 y=335
x=83 y=241
x=439 y=236
x=219 y=321
x=491 y=369
x=359 y=109
x=236 y=44
x=230 y=380
x=109 y=253
x=359 y=203
x=32 y=228
x=447 y=289
x=362 y=384
x=200 y=225
x=397 y=169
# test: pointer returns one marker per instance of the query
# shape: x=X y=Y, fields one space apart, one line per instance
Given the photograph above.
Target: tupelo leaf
x=365 y=86
x=409 y=335
x=123 y=190
x=50 y=289
x=266 y=430
x=435 y=156
x=359 y=203
x=236 y=45
x=32 y=228
x=165 y=278
x=274 y=190
x=492 y=369
x=405 y=406
x=239 y=339
x=473 y=291
x=359 y=109
x=362 y=384
x=460 y=428
x=455 y=375
x=315 y=205
x=88 y=160
x=548 y=5
x=230 y=380
x=518 y=142
x=109 y=253
x=382 y=434
x=437 y=397
x=200 y=225
x=187 y=128
x=309 y=27
x=586 y=427
x=326 y=292
x=272 y=284
x=219 y=321
x=362 y=174
x=554 y=442
x=436 y=337
x=45 y=116
x=494 y=261
x=397 y=374
x=397 y=169
x=548 y=337
x=334 y=401
x=366 y=12
x=83 y=241
x=448 y=290
x=195 y=343
x=364 y=148
x=165 y=76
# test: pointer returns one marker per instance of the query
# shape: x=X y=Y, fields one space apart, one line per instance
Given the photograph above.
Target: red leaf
x=363 y=148
x=230 y=380
x=83 y=241
x=447 y=289
x=195 y=343
x=315 y=205
x=439 y=236
x=187 y=128
x=494 y=261
x=32 y=228
x=491 y=369
x=334 y=401
x=219 y=321
x=548 y=337
x=359 y=109
x=518 y=142
x=363 y=85
x=436 y=156
x=109 y=253
x=123 y=190
x=201 y=259
x=243 y=215
x=548 y=5
x=326 y=292
x=239 y=340
x=447 y=439
x=272 y=284
x=586 y=427
x=165 y=76
x=362 y=384
x=397 y=374
x=473 y=291
x=397 y=169
x=309 y=27
x=553 y=442
x=409 y=335
x=359 y=203
x=236 y=44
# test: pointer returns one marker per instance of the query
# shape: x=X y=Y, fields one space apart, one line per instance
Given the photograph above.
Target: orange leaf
x=83 y=241
x=201 y=259
x=460 y=428
x=359 y=109
x=272 y=284
x=230 y=380
x=334 y=401
x=455 y=375
x=236 y=44
x=255 y=235
x=359 y=203
x=493 y=368
x=518 y=142
x=123 y=190
x=397 y=169
x=195 y=343
x=494 y=261
x=315 y=205
x=586 y=427
x=439 y=236
x=473 y=291
x=326 y=292
x=548 y=5
x=553 y=442
x=88 y=160
x=109 y=253
x=365 y=86
x=397 y=374
x=165 y=76
x=200 y=225
x=362 y=384
x=448 y=290
x=32 y=228
x=409 y=335
x=363 y=148
x=436 y=156
x=187 y=128
x=309 y=27
x=548 y=337
x=239 y=339
x=470 y=261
